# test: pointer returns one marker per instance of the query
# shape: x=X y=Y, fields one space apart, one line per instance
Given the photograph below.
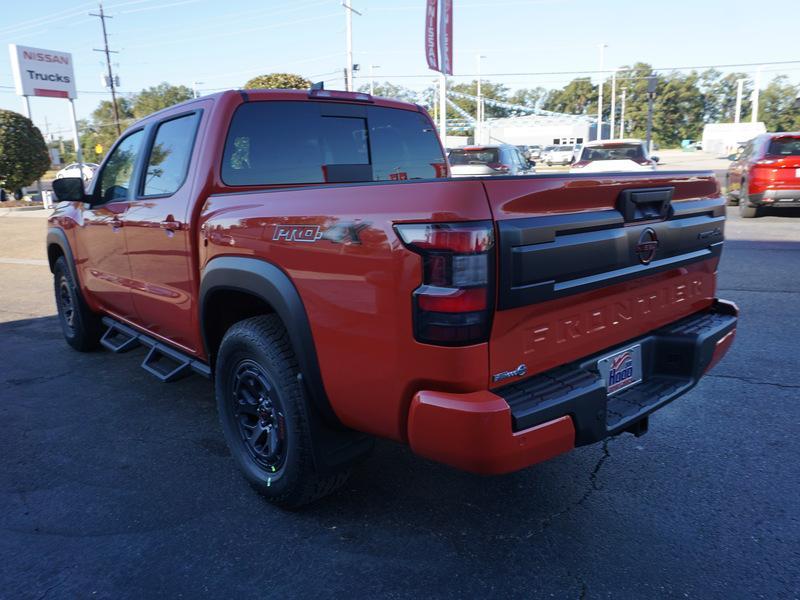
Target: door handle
x=170 y=225
x=116 y=223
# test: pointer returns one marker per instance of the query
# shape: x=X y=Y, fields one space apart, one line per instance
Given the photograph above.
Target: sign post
x=46 y=74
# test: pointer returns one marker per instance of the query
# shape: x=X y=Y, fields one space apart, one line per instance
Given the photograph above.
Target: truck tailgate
x=585 y=263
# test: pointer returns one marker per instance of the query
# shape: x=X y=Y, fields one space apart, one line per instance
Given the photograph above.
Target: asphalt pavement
x=115 y=485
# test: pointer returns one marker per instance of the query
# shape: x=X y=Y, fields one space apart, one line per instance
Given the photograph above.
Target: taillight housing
x=580 y=164
x=453 y=305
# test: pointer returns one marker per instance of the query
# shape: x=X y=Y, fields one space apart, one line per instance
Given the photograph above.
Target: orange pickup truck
x=309 y=252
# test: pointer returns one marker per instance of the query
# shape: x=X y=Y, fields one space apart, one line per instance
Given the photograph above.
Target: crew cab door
x=158 y=235
x=100 y=244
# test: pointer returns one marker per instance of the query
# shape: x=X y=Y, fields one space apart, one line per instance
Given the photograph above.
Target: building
x=722 y=139
x=541 y=130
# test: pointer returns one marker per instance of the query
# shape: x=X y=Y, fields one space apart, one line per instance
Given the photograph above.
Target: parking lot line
x=24 y=261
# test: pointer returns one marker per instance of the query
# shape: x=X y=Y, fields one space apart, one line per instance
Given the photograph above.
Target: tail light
x=645 y=162
x=453 y=306
x=499 y=167
x=580 y=164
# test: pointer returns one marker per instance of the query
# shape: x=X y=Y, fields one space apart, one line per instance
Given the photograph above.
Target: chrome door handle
x=170 y=225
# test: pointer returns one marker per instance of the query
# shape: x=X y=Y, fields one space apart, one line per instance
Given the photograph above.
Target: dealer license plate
x=622 y=369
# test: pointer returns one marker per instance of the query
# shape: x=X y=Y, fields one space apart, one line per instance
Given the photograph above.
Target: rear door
x=158 y=236
x=585 y=264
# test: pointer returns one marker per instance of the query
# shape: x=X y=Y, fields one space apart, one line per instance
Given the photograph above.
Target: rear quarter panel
x=356 y=283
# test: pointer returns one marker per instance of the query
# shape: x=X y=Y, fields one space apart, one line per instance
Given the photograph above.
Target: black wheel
x=264 y=415
x=81 y=327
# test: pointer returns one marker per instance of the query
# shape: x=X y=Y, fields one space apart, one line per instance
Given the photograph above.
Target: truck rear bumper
x=507 y=429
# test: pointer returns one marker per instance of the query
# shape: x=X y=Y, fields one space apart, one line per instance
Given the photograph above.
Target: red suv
x=766 y=173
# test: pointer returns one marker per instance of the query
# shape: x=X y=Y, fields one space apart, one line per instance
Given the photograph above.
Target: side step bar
x=165 y=363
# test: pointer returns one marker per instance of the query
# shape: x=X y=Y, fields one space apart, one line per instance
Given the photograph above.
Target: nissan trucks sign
x=39 y=72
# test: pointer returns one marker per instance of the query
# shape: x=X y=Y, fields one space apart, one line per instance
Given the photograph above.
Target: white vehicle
x=480 y=161
x=614 y=156
x=74 y=170
x=559 y=155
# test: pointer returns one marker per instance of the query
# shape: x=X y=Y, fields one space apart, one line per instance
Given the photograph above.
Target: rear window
x=785 y=146
x=564 y=149
x=614 y=152
x=482 y=156
x=272 y=143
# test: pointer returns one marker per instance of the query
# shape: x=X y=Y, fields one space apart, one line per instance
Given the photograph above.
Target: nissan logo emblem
x=647 y=245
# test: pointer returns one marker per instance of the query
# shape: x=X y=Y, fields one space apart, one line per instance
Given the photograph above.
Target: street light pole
x=622 y=117
x=600 y=95
x=613 y=101
x=651 y=95
x=443 y=108
x=371 y=78
x=756 y=86
x=348 y=70
x=479 y=103
x=739 y=90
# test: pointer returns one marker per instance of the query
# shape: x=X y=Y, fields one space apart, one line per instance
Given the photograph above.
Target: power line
x=102 y=16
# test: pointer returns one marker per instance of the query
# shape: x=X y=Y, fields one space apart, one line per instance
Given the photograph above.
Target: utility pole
x=754 y=97
x=613 y=102
x=102 y=16
x=622 y=117
x=195 y=91
x=348 y=15
x=739 y=90
x=600 y=95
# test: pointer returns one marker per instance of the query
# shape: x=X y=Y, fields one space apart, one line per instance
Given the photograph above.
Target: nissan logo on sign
x=40 y=72
x=647 y=245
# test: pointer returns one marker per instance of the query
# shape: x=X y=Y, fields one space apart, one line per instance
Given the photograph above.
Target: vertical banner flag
x=446 y=37
x=431 y=38
x=439 y=39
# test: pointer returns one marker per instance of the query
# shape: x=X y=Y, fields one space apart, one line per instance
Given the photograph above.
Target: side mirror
x=654 y=158
x=531 y=163
x=732 y=156
x=69 y=189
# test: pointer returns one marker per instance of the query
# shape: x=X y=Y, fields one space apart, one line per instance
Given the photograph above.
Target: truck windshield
x=614 y=152
x=273 y=143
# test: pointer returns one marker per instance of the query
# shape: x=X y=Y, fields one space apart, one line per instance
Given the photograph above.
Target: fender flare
x=57 y=237
x=273 y=286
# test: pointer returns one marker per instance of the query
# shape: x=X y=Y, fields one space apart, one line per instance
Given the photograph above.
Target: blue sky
x=222 y=44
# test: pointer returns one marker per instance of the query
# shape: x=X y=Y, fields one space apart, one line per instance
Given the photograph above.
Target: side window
x=169 y=157
x=115 y=178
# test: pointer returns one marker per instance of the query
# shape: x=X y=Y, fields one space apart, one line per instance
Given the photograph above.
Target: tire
x=264 y=414
x=81 y=327
x=747 y=212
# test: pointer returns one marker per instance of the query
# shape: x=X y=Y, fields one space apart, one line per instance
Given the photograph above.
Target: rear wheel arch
x=259 y=287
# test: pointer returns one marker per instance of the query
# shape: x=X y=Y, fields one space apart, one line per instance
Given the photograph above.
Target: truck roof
x=292 y=95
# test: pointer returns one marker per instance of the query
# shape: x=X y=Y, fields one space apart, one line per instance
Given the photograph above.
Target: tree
x=158 y=97
x=578 y=97
x=389 y=90
x=530 y=97
x=278 y=81
x=489 y=91
x=779 y=107
x=23 y=152
x=100 y=129
x=679 y=108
